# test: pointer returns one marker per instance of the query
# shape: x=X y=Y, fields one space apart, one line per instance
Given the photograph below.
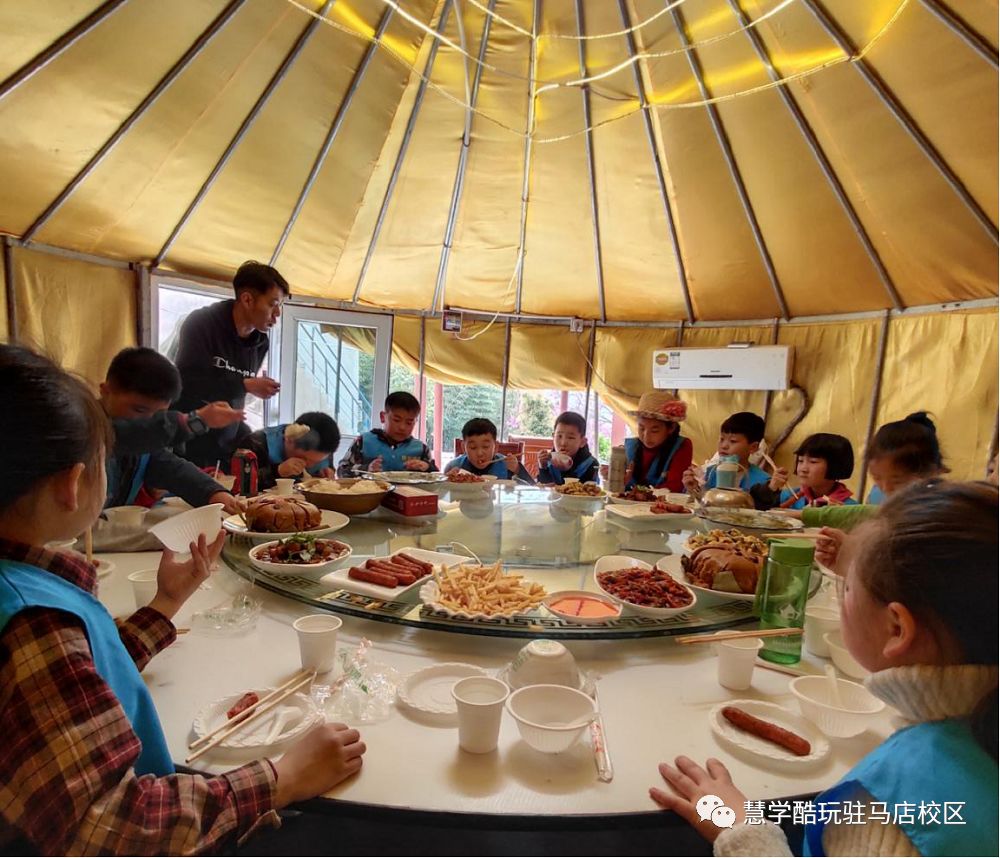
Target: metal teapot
x=731 y=498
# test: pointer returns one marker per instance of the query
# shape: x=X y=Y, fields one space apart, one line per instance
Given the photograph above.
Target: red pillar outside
x=563 y=401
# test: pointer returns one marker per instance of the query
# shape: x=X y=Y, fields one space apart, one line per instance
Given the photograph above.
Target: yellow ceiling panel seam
x=63 y=43
x=241 y=132
x=963 y=30
x=657 y=163
x=162 y=86
x=536 y=15
x=821 y=157
x=734 y=170
x=331 y=134
x=901 y=114
x=463 y=160
x=401 y=155
x=589 y=145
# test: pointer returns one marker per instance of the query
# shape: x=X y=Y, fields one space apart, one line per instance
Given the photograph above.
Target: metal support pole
x=528 y=144
x=10 y=291
x=883 y=339
x=590 y=371
x=769 y=394
x=340 y=353
x=503 y=383
x=422 y=380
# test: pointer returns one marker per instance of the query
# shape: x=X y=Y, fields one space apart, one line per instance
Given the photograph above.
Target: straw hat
x=660 y=405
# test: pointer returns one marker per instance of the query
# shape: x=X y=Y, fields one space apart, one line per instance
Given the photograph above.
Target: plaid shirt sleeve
x=67 y=785
x=146 y=633
x=353 y=459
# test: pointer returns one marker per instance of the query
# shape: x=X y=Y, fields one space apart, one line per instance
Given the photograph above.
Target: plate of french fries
x=473 y=591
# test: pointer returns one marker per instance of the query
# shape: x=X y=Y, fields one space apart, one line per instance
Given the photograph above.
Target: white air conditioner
x=742 y=367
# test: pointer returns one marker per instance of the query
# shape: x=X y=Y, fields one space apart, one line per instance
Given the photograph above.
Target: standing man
x=220 y=351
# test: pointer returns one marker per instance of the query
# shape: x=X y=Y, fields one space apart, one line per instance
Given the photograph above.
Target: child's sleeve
x=353 y=459
x=149 y=434
x=841 y=517
x=427 y=456
x=764 y=497
x=546 y=475
x=179 y=477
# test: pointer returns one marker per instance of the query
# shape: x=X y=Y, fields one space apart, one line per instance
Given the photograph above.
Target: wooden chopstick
x=792 y=534
x=88 y=543
x=734 y=636
x=283 y=690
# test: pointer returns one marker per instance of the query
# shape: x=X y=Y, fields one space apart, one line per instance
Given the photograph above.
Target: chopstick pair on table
x=264 y=705
x=734 y=636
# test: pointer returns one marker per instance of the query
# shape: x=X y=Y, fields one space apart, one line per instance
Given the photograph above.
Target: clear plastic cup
x=318 y=641
x=143 y=586
x=736 y=662
x=479 y=700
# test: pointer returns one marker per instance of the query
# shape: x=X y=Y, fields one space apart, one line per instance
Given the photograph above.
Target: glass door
x=337 y=362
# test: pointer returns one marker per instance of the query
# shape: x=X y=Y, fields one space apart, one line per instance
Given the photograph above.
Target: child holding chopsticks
x=822 y=461
x=929 y=639
x=85 y=766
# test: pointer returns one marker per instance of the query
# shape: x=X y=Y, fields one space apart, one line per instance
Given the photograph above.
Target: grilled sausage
x=766 y=730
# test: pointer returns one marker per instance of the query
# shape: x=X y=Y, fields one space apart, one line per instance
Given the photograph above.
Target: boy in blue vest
x=574 y=459
x=481 y=458
x=740 y=435
x=393 y=447
x=139 y=387
x=293 y=450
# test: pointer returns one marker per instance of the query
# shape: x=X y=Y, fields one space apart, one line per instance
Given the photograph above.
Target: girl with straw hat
x=659 y=455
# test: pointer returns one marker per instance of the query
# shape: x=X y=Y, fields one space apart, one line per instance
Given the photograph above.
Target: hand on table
x=219 y=414
x=261 y=386
x=231 y=504
x=828 y=546
x=292 y=467
x=176 y=581
x=688 y=782
x=375 y=465
x=317 y=762
x=778 y=479
x=416 y=465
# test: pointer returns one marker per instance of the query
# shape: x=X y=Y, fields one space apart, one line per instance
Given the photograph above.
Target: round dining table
x=655 y=695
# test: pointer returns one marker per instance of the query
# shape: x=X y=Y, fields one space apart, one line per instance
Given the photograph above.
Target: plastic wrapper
x=365 y=691
x=237 y=616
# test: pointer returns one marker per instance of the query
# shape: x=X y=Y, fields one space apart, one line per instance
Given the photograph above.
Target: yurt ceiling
x=616 y=160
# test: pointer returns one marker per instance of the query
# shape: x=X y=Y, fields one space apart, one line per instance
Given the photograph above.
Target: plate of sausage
x=389 y=577
x=769 y=733
x=296 y=715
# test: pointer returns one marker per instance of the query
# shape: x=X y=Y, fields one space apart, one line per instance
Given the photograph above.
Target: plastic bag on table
x=365 y=691
x=237 y=616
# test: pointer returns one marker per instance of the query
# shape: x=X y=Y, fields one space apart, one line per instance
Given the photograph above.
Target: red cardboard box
x=409 y=500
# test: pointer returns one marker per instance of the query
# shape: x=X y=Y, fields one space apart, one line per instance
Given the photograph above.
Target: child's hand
x=604 y=470
x=375 y=465
x=292 y=467
x=544 y=458
x=328 y=473
x=417 y=465
x=320 y=760
x=219 y=414
x=176 y=581
x=690 y=480
x=828 y=546
x=513 y=463
x=230 y=504
x=688 y=783
x=778 y=479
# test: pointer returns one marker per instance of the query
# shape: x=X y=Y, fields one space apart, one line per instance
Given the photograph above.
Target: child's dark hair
x=912 y=443
x=479 y=426
x=744 y=423
x=52 y=422
x=146 y=372
x=324 y=434
x=571 y=418
x=835 y=450
x=259 y=278
x=402 y=401
x=920 y=535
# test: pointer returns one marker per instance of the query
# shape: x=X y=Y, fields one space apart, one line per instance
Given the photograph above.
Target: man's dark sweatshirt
x=214 y=360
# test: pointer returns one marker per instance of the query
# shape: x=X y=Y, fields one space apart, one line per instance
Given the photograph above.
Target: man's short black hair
x=836 y=450
x=745 y=423
x=260 y=278
x=324 y=436
x=571 y=418
x=146 y=372
x=402 y=401
x=479 y=426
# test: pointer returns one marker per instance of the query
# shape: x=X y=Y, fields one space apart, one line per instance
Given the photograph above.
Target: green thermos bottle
x=780 y=601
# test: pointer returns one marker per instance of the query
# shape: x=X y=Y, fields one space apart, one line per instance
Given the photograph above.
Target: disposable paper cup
x=126 y=516
x=143 y=586
x=226 y=481
x=318 y=641
x=480 y=701
x=820 y=621
x=736 y=662
x=284 y=486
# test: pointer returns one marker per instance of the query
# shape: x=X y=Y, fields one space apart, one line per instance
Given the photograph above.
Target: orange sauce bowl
x=582 y=607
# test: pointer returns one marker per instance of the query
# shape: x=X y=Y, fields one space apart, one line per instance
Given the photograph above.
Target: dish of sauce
x=590 y=607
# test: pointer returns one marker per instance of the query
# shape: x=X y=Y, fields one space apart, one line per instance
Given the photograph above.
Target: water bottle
x=616 y=469
x=780 y=601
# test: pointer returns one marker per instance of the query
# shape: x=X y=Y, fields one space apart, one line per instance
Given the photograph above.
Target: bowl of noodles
x=350 y=497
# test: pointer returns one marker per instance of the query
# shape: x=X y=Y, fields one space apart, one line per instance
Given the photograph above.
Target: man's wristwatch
x=195 y=424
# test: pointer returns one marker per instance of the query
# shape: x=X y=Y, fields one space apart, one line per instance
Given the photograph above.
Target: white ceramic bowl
x=551 y=718
x=303 y=570
x=813 y=696
x=555 y=598
x=179 y=531
x=126 y=516
x=820 y=621
x=618 y=561
x=543 y=662
x=842 y=658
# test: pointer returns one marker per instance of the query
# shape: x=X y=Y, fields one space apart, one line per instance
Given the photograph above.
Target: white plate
x=661 y=494
x=752 y=520
x=302 y=570
x=338 y=579
x=104 y=567
x=429 y=690
x=257 y=735
x=634 y=511
x=578 y=502
x=470 y=490
x=410 y=478
x=330 y=521
x=618 y=561
x=671 y=565
x=762 y=750
x=429 y=595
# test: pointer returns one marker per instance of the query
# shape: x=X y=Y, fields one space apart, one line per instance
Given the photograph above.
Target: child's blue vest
x=111 y=467
x=497 y=469
x=551 y=474
x=372 y=446
x=24 y=586
x=655 y=475
x=931 y=765
x=275 y=436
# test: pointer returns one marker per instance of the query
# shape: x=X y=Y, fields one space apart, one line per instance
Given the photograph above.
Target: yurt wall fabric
x=78 y=313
